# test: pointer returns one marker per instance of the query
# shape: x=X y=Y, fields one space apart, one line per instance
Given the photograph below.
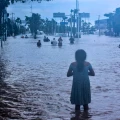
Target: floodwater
x=39 y=75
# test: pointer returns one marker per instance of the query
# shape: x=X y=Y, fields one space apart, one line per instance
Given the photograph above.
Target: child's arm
x=70 y=71
x=91 y=71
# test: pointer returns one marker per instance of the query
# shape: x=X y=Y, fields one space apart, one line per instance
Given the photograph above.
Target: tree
x=18 y=20
x=6 y=3
x=92 y=29
x=42 y=23
x=9 y=27
x=34 y=22
x=37 y=23
x=50 y=26
x=114 y=22
x=64 y=20
x=16 y=29
x=54 y=26
x=13 y=26
x=85 y=26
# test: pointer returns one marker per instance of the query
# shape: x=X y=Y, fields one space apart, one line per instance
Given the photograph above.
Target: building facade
x=101 y=24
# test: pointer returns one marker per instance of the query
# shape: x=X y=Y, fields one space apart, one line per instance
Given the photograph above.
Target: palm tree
x=18 y=20
x=64 y=20
x=34 y=23
x=6 y=3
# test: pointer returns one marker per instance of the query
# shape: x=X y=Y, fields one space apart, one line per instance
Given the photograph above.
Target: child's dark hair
x=80 y=56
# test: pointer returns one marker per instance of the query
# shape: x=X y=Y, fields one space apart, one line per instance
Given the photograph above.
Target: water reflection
x=8 y=96
x=2 y=70
x=81 y=115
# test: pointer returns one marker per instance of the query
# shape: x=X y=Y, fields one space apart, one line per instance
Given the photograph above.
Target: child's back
x=80 y=94
x=80 y=70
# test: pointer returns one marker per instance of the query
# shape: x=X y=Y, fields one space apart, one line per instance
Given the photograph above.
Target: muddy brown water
x=39 y=75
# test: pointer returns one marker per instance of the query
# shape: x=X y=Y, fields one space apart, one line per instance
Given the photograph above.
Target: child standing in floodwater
x=80 y=70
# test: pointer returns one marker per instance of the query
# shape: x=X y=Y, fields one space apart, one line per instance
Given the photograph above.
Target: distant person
x=47 y=39
x=60 y=41
x=54 y=42
x=44 y=37
x=51 y=42
x=80 y=70
x=26 y=36
x=71 y=40
x=22 y=36
x=39 y=43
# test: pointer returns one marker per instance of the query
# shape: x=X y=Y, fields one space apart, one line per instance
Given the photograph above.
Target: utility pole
x=6 y=19
x=32 y=20
x=31 y=8
x=74 y=23
x=71 y=24
x=5 y=25
x=55 y=27
x=99 y=24
x=76 y=4
x=78 y=18
x=2 y=37
x=12 y=23
x=3 y=31
x=79 y=35
x=64 y=23
x=52 y=27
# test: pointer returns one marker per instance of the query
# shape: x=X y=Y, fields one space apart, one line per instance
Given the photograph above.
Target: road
x=39 y=74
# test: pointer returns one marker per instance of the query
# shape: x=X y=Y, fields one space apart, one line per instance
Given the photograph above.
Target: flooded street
x=39 y=75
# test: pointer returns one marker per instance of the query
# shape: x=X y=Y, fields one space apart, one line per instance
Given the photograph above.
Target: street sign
x=84 y=15
x=59 y=15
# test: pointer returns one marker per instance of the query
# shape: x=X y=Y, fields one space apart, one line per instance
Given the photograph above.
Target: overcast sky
x=46 y=9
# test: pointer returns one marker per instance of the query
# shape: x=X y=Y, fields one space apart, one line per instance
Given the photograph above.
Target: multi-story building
x=101 y=24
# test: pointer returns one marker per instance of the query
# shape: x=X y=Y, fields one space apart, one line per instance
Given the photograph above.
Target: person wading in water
x=80 y=70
